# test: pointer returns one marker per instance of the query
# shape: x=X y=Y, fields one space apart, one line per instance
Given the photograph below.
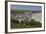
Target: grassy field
x=31 y=24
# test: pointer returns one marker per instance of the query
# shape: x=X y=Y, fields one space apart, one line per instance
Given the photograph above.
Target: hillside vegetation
x=21 y=11
x=31 y=24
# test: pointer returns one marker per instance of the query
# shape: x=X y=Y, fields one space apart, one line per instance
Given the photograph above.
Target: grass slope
x=31 y=24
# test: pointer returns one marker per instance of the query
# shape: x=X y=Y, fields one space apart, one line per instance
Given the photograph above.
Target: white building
x=23 y=17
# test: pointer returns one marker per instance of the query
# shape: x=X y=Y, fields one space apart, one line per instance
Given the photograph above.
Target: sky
x=26 y=7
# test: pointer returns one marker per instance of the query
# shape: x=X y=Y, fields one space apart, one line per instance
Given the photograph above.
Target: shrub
x=14 y=21
x=35 y=23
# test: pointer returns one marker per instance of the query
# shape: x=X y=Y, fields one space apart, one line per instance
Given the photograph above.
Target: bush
x=35 y=23
x=14 y=21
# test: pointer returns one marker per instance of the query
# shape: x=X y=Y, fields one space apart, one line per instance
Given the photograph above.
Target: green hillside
x=21 y=11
